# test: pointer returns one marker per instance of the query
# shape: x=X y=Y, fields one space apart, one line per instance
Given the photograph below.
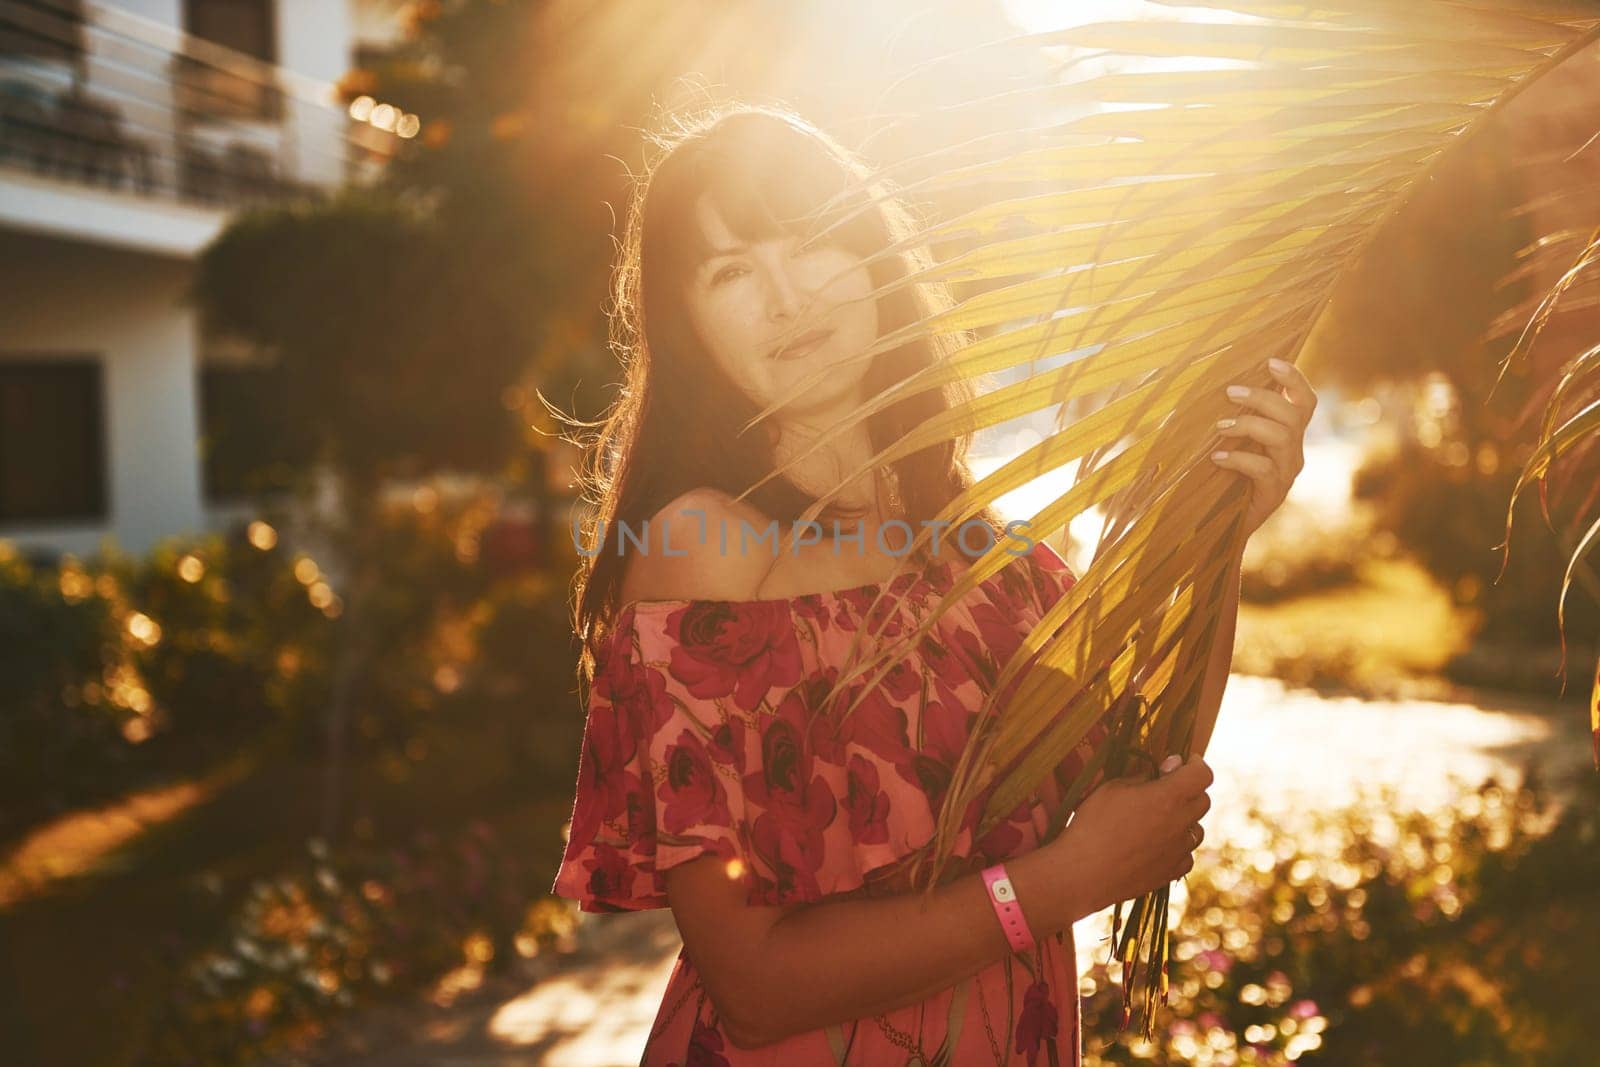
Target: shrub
x=350 y=927
x=1382 y=937
x=1296 y=553
x=117 y=669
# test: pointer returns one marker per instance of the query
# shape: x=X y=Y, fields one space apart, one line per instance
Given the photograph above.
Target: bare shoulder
x=684 y=556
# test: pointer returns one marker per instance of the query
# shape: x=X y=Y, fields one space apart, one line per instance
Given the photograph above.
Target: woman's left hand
x=1276 y=419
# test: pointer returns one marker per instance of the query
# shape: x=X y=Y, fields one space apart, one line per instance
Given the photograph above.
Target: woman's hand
x=1131 y=835
x=1276 y=419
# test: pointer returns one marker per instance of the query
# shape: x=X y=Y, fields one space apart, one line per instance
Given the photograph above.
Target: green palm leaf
x=1166 y=235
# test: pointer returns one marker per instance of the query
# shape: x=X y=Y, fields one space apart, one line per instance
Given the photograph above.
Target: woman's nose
x=785 y=296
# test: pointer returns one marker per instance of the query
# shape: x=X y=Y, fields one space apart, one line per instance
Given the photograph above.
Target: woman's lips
x=803 y=344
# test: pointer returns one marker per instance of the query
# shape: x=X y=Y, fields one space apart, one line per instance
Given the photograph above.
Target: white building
x=128 y=134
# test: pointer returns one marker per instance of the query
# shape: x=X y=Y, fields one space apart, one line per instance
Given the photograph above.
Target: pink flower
x=726 y=744
x=1303 y=1009
x=998 y=631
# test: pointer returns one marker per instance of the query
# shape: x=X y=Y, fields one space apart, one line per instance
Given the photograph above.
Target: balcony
x=97 y=101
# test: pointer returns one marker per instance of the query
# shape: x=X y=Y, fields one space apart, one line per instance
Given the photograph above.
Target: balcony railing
x=94 y=95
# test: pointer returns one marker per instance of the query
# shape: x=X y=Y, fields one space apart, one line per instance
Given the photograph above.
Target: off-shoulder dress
x=701 y=738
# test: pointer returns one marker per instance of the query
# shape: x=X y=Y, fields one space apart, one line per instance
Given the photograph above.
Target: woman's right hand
x=1132 y=835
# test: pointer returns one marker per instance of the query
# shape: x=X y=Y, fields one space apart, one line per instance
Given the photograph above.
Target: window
x=217 y=87
x=49 y=29
x=52 y=456
x=243 y=25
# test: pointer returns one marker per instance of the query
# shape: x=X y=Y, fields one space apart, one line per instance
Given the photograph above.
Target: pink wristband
x=1004 y=898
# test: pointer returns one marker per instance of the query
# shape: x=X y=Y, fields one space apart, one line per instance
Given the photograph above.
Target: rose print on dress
x=867 y=804
x=796 y=805
x=742 y=650
x=692 y=792
x=705 y=1048
x=1037 y=1025
x=612 y=873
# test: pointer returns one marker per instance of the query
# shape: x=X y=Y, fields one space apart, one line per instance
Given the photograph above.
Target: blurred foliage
x=1444 y=494
x=129 y=669
x=217 y=650
x=1398 y=596
x=1296 y=552
x=1422 y=300
x=401 y=319
x=1421 y=322
x=136 y=666
x=1457 y=937
x=352 y=926
x=1388 y=634
x=370 y=333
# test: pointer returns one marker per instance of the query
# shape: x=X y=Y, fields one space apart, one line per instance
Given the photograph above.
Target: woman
x=713 y=777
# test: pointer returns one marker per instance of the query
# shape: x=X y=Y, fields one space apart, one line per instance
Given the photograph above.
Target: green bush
x=1295 y=554
x=1448 y=938
x=1451 y=515
x=124 y=668
x=352 y=926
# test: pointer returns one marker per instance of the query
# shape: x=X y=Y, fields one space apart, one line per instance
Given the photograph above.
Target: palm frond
x=1158 y=241
x=1570 y=431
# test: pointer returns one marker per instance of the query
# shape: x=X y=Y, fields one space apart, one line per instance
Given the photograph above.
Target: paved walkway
x=1280 y=748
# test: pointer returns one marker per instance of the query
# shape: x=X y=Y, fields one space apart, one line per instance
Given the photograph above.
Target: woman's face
x=744 y=301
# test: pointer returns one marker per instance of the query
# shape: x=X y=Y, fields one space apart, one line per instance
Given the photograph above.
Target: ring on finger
x=1194 y=835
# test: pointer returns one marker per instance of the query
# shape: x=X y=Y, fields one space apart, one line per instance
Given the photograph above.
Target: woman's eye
x=724 y=274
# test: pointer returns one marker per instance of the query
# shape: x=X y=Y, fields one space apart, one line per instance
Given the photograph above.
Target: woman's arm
x=1220 y=661
x=773 y=972
x=777 y=971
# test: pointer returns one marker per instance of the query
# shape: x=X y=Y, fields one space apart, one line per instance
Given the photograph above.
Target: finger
x=1171 y=763
x=1294 y=382
x=1259 y=469
x=1197 y=773
x=1269 y=402
x=1257 y=428
x=1187 y=782
x=1196 y=809
x=1280 y=446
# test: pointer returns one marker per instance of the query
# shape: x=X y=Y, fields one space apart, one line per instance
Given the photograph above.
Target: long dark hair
x=671 y=428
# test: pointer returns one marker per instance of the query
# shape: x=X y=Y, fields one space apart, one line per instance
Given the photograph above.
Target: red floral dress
x=700 y=739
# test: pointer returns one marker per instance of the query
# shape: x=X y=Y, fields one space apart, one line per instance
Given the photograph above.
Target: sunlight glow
x=1046 y=16
x=1042 y=16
